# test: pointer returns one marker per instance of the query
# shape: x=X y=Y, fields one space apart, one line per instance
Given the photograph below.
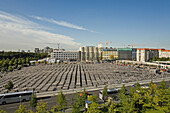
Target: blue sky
x=26 y=24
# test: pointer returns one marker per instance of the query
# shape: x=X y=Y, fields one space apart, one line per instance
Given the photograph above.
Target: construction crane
x=105 y=42
x=134 y=45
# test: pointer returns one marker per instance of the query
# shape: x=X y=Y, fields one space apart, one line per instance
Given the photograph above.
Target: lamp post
x=20 y=99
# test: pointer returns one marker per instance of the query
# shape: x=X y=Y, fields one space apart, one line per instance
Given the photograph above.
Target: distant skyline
x=28 y=24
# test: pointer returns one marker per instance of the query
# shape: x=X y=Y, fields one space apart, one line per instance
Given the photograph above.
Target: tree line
x=16 y=60
x=155 y=99
x=160 y=59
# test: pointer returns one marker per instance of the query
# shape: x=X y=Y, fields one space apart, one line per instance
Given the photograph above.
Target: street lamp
x=20 y=99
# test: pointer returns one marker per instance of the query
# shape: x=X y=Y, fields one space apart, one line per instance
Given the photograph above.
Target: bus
x=15 y=97
x=109 y=91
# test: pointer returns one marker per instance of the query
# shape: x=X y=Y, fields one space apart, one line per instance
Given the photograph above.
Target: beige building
x=90 y=53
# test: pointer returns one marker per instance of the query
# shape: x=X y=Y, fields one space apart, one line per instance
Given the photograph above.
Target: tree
x=111 y=107
x=19 y=61
x=15 y=62
x=10 y=68
x=92 y=98
x=94 y=106
x=150 y=84
x=22 y=109
x=2 y=111
x=76 y=106
x=79 y=101
x=41 y=107
x=9 y=86
x=27 y=60
x=105 y=94
x=23 y=61
x=83 y=97
x=112 y=57
x=5 y=64
x=33 y=101
x=61 y=101
x=11 y=62
x=162 y=85
x=122 y=90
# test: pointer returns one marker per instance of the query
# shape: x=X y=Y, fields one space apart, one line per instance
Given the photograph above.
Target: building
x=45 y=50
x=91 y=53
x=63 y=55
x=146 y=54
x=134 y=52
x=109 y=54
x=124 y=53
x=164 y=53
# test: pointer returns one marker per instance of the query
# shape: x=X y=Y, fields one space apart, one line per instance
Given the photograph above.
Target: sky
x=29 y=24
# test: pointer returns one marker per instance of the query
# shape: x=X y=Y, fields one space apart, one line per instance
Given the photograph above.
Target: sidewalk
x=70 y=91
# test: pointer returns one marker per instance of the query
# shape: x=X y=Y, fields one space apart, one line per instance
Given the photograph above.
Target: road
x=51 y=100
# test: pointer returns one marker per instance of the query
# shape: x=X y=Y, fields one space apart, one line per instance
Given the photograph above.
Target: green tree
x=22 y=109
x=5 y=64
x=15 y=62
x=27 y=60
x=9 y=85
x=122 y=91
x=162 y=85
x=19 y=61
x=33 y=101
x=23 y=61
x=76 y=106
x=41 y=107
x=111 y=57
x=10 y=62
x=61 y=101
x=79 y=101
x=92 y=98
x=2 y=111
x=94 y=106
x=83 y=97
x=10 y=68
x=105 y=94
x=112 y=108
x=7 y=60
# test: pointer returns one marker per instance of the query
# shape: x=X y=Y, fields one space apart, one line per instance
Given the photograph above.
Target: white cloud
x=17 y=32
x=61 y=23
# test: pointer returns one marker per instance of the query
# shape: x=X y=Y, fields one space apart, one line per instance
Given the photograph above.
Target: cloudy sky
x=27 y=24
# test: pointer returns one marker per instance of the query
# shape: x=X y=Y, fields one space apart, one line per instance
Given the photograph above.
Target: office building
x=61 y=54
x=124 y=53
x=109 y=54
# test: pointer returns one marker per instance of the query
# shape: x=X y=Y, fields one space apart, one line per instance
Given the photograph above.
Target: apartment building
x=146 y=54
x=90 y=53
x=164 y=53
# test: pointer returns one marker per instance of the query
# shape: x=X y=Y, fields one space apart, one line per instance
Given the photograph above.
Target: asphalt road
x=51 y=101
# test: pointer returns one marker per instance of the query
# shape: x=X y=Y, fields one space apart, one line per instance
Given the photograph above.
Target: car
x=134 y=85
